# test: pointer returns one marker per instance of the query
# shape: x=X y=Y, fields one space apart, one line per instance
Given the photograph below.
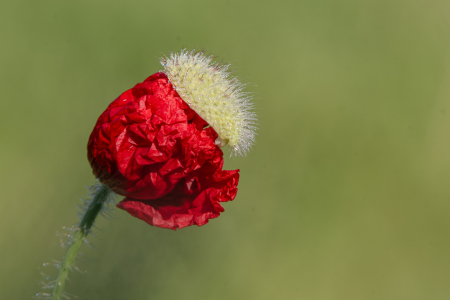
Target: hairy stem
x=93 y=209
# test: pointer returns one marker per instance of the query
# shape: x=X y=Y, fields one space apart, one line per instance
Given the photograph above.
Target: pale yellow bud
x=216 y=96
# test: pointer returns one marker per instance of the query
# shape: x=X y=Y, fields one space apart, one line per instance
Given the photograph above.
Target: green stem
x=93 y=209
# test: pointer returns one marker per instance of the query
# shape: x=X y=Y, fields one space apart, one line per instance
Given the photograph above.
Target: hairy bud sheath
x=213 y=94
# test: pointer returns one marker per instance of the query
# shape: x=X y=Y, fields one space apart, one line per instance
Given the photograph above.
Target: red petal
x=175 y=210
x=151 y=147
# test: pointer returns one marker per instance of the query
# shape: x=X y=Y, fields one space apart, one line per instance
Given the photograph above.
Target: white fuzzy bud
x=216 y=96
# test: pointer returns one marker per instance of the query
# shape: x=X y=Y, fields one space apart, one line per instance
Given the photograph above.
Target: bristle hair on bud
x=211 y=91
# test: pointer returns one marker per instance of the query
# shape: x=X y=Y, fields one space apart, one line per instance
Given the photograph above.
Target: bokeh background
x=346 y=194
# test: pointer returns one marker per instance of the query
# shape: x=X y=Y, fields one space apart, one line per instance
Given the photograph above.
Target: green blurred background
x=346 y=194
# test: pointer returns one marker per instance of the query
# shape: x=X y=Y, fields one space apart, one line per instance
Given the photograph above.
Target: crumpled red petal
x=185 y=205
x=150 y=147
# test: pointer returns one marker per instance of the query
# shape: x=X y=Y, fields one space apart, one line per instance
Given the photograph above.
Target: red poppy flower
x=152 y=148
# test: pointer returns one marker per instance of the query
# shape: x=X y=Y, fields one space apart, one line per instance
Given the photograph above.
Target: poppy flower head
x=154 y=148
